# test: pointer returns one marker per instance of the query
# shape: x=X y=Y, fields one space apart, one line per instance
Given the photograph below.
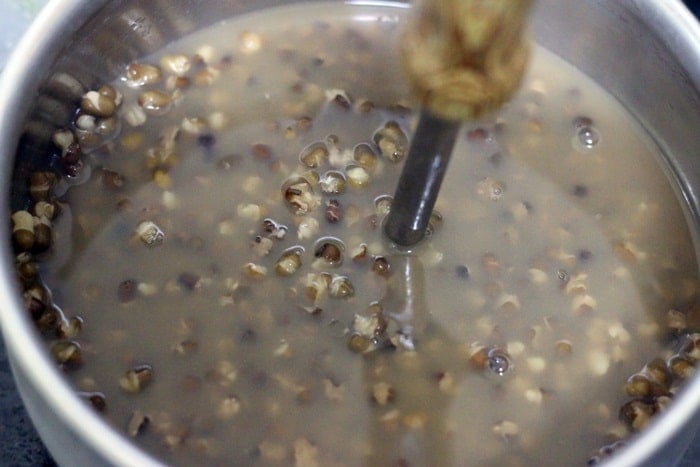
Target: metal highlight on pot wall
x=64 y=66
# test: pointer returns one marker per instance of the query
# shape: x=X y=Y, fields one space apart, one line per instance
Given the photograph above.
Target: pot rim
x=33 y=361
x=678 y=28
x=669 y=19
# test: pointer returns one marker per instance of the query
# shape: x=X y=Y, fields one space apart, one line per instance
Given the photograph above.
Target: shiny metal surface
x=645 y=52
x=421 y=177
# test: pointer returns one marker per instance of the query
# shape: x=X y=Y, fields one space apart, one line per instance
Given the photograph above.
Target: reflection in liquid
x=418 y=429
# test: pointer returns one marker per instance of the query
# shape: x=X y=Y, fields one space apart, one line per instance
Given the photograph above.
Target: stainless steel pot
x=645 y=52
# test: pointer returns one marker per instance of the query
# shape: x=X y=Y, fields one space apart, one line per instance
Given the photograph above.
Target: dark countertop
x=19 y=444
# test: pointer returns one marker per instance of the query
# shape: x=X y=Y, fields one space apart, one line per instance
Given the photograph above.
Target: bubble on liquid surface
x=587 y=137
x=498 y=362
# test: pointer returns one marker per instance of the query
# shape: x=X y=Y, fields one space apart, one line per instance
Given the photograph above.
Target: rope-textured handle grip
x=465 y=58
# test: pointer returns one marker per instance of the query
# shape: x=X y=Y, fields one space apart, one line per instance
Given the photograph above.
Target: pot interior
x=656 y=80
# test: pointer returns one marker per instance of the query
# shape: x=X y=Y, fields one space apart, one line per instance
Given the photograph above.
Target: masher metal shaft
x=421 y=177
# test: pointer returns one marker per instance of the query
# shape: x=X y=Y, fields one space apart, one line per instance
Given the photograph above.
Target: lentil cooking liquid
x=266 y=311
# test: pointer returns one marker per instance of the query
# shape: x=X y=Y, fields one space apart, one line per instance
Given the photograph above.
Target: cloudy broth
x=229 y=248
